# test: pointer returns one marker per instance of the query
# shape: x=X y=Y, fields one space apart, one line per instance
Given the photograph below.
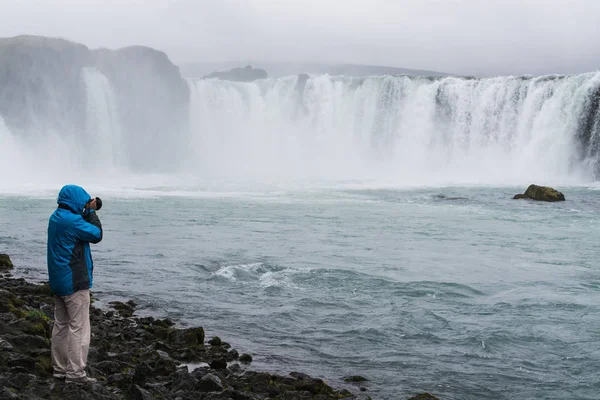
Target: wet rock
x=235 y=368
x=541 y=193
x=215 y=341
x=233 y=353
x=6 y=346
x=300 y=376
x=5 y=262
x=121 y=379
x=21 y=380
x=165 y=323
x=109 y=367
x=26 y=342
x=210 y=383
x=137 y=393
x=246 y=358
x=355 y=378
x=294 y=395
x=188 y=336
x=6 y=393
x=424 y=396
x=17 y=360
x=218 y=364
x=126 y=310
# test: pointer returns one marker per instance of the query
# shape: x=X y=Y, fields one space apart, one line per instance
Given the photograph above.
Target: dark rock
x=162 y=346
x=126 y=310
x=541 y=193
x=21 y=380
x=246 y=74
x=355 y=378
x=109 y=367
x=301 y=83
x=188 y=336
x=163 y=354
x=165 y=323
x=218 y=364
x=210 y=383
x=182 y=381
x=93 y=392
x=6 y=346
x=424 y=396
x=6 y=393
x=26 y=342
x=239 y=395
x=215 y=341
x=233 y=353
x=146 y=320
x=17 y=360
x=296 y=395
x=246 y=358
x=137 y=393
x=300 y=376
x=120 y=379
x=315 y=386
x=5 y=262
x=235 y=368
x=142 y=372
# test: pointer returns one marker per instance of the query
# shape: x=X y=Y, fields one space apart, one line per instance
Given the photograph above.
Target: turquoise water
x=462 y=292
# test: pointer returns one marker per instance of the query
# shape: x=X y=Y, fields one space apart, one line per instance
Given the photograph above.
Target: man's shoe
x=84 y=380
x=59 y=376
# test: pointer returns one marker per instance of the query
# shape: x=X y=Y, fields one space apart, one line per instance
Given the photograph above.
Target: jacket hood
x=74 y=197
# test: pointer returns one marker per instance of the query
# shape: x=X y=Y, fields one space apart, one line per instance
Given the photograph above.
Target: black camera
x=98 y=203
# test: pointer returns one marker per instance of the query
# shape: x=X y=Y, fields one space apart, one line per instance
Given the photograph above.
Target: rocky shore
x=136 y=358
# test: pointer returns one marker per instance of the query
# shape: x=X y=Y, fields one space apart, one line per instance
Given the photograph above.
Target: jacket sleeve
x=89 y=228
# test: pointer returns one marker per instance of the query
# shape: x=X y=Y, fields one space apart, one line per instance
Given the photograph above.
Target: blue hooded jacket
x=70 y=232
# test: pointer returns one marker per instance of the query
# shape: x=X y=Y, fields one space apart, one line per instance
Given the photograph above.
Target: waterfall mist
x=398 y=130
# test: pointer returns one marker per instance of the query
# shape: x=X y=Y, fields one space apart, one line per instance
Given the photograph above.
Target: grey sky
x=460 y=36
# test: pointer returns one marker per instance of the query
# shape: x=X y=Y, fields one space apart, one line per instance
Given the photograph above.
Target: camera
x=98 y=203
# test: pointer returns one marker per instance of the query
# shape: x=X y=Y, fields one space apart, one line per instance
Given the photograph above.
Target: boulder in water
x=541 y=193
x=5 y=262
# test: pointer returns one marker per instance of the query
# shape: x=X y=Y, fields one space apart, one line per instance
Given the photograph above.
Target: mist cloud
x=460 y=36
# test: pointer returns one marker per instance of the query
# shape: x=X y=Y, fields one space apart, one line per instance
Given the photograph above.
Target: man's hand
x=92 y=204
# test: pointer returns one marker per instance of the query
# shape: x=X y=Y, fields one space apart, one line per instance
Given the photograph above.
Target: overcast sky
x=456 y=36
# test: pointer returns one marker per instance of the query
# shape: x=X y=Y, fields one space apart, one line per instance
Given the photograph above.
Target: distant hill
x=277 y=70
x=246 y=74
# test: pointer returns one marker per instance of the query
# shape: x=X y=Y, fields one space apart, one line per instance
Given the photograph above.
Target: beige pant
x=71 y=334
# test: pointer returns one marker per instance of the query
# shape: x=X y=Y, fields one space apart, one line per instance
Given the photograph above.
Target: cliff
x=43 y=91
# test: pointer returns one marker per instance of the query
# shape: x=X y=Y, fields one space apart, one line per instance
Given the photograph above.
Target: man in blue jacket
x=71 y=229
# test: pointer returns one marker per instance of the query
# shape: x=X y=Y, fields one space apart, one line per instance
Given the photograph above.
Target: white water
x=396 y=131
x=103 y=128
x=406 y=130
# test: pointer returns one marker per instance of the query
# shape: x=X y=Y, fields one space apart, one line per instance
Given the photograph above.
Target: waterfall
x=103 y=136
x=408 y=129
x=398 y=129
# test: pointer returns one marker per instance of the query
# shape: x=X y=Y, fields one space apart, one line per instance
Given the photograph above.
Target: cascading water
x=410 y=130
x=45 y=156
x=103 y=128
x=400 y=130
